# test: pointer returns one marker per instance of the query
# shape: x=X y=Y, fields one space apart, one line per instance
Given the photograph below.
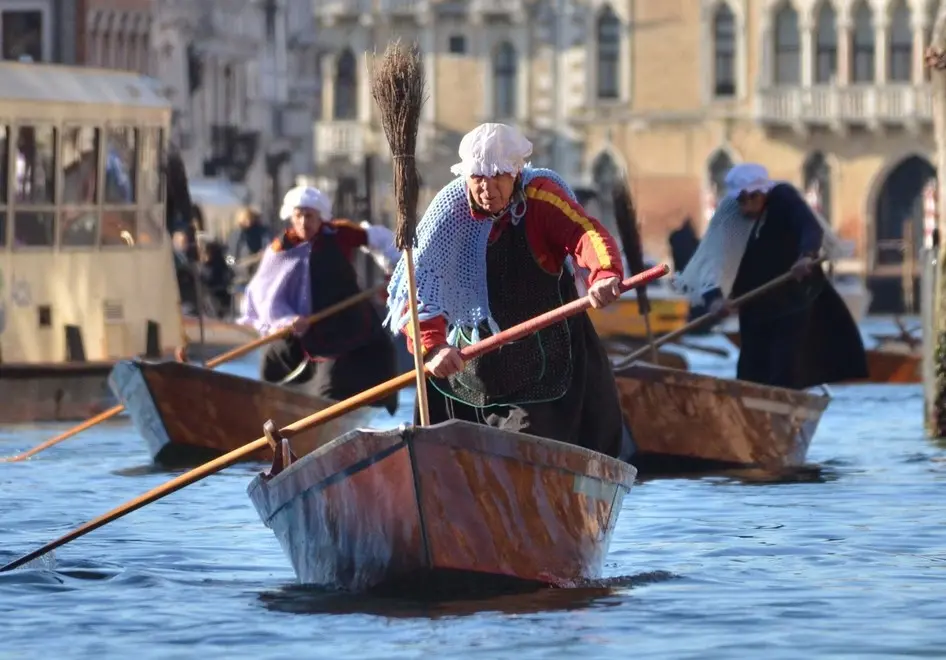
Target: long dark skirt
x=588 y=415
x=818 y=345
x=338 y=378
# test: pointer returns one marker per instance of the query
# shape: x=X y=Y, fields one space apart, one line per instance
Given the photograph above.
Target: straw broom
x=397 y=86
x=625 y=216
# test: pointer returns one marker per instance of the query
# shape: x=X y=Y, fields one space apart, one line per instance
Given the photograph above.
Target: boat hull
x=61 y=392
x=374 y=508
x=682 y=421
x=187 y=413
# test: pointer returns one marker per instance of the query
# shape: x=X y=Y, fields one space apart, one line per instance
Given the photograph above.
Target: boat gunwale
x=270 y=491
x=646 y=371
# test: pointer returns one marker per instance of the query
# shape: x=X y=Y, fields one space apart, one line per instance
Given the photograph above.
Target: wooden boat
x=450 y=502
x=891 y=364
x=682 y=421
x=65 y=392
x=82 y=284
x=188 y=414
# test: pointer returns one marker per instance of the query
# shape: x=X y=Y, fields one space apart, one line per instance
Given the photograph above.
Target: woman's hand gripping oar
x=716 y=316
x=328 y=414
x=229 y=356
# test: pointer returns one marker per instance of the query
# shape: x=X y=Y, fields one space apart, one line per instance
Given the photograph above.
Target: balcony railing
x=855 y=104
x=330 y=9
x=497 y=6
x=339 y=139
x=404 y=7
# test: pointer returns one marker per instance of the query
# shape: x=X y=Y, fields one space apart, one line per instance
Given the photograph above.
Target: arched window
x=608 y=31
x=900 y=49
x=346 y=87
x=724 y=50
x=826 y=49
x=787 y=47
x=862 y=44
x=504 y=81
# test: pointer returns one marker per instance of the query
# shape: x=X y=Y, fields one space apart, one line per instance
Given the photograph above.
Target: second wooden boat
x=188 y=414
x=682 y=421
x=448 y=503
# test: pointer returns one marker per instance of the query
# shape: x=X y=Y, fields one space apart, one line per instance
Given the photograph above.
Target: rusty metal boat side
x=376 y=508
x=682 y=420
x=188 y=414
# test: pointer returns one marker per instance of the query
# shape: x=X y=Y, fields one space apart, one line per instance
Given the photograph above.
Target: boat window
x=80 y=158
x=151 y=231
x=119 y=228
x=34 y=179
x=120 y=165
x=78 y=227
x=34 y=229
x=152 y=174
x=35 y=165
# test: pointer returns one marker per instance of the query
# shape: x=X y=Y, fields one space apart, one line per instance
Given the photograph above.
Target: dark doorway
x=898 y=232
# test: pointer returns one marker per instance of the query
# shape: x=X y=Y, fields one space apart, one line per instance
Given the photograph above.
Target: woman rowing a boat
x=491 y=253
x=305 y=270
x=800 y=334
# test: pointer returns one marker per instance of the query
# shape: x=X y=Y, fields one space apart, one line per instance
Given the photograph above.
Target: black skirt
x=588 y=415
x=336 y=378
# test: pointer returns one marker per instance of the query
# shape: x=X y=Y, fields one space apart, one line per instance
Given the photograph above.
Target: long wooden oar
x=332 y=412
x=713 y=316
x=229 y=356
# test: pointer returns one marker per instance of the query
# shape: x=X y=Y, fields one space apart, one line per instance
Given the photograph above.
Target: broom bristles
x=625 y=216
x=397 y=86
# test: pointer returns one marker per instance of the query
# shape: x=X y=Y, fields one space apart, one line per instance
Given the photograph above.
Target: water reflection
x=808 y=473
x=504 y=599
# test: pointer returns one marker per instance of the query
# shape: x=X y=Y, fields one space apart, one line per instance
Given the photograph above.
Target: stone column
x=428 y=45
x=845 y=34
x=328 y=86
x=919 y=23
x=881 y=41
x=806 y=28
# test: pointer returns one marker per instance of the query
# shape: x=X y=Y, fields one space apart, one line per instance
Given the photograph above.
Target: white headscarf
x=306 y=197
x=492 y=149
x=716 y=261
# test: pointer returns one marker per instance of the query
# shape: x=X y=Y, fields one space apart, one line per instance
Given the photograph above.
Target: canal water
x=848 y=562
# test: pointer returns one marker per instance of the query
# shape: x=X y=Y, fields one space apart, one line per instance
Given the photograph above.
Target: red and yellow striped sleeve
x=433 y=333
x=567 y=229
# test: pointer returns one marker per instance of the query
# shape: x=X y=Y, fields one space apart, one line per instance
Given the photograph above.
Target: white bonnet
x=308 y=198
x=492 y=149
x=748 y=177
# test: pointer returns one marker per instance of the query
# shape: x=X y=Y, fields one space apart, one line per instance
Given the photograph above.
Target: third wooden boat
x=683 y=421
x=188 y=414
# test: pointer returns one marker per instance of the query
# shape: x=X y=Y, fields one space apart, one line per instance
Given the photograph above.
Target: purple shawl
x=279 y=291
